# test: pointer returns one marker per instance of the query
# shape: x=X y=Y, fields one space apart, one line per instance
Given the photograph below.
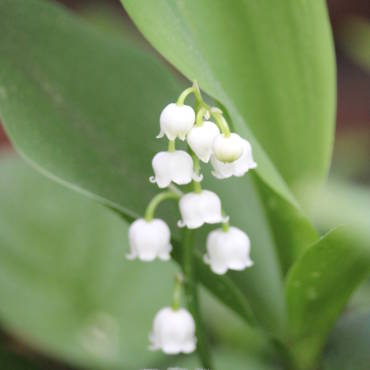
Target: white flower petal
x=201 y=138
x=174 y=167
x=173 y=331
x=149 y=240
x=199 y=208
x=176 y=121
x=237 y=168
x=228 y=149
x=228 y=250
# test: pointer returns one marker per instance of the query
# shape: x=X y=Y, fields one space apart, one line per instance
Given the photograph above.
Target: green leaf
x=291 y=230
x=318 y=287
x=349 y=343
x=270 y=64
x=80 y=103
x=65 y=284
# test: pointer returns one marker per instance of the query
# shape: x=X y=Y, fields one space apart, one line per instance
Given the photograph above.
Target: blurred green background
x=89 y=226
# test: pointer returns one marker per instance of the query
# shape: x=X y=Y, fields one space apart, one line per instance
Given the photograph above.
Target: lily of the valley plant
x=227 y=247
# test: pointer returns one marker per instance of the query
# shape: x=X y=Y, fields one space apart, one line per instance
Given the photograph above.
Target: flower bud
x=228 y=149
x=176 y=121
x=237 y=168
x=199 y=208
x=149 y=239
x=174 y=167
x=173 y=331
x=228 y=250
x=200 y=140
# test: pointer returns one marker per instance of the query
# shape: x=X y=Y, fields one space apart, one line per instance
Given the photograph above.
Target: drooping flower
x=228 y=250
x=201 y=138
x=228 y=148
x=237 y=168
x=173 y=331
x=176 y=121
x=149 y=240
x=176 y=166
x=199 y=208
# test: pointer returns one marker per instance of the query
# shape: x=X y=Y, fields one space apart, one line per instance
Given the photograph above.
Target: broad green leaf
x=270 y=63
x=291 y=230
x=82 y=106
x=349 y=343
x=65 y=284
x=80 y=103
x=318 y=287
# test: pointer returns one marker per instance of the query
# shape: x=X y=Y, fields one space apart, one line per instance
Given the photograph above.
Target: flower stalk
x=176 y=299
x=156 y=200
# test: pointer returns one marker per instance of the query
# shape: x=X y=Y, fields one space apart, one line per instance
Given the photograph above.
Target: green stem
x=184 y=95
x=171 y=146
x=200 y=115
x=196 y=164
x=176 y=300
x=225 y=225
x=221 y=122
x=197 y=92
x=191 y=295
x=156 y=200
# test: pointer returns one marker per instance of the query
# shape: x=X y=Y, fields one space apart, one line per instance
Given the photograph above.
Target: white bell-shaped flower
x=237 y=168
x=176 y=121
x=176 y=166
x=228 y=148
x=201 y=138
x=228 y=250
x=149 y=240
x=199 y=208
x=173 y=331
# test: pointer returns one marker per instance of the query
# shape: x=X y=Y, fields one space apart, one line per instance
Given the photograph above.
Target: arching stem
x=156 y=200
x=176 y=300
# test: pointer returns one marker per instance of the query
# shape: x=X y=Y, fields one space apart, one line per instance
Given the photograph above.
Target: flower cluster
x=227 y=248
